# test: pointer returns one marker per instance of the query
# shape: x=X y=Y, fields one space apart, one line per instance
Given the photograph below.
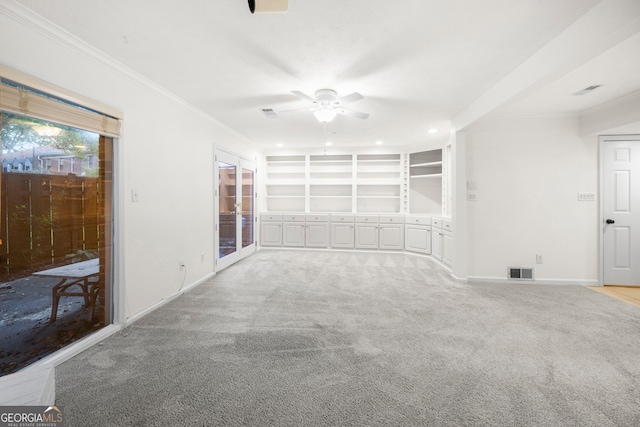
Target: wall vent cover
x=520 y=273
x=269 y=113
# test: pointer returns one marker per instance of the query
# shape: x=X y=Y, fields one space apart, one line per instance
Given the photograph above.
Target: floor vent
x=520 y=273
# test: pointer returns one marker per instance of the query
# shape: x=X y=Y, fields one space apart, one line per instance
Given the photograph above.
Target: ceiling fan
x=326 y=105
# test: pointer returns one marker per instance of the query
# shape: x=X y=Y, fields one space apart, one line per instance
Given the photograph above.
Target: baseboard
x=537 y=281
x=139 y=315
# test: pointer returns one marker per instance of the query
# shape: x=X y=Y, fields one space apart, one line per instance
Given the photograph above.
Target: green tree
x=20 y=133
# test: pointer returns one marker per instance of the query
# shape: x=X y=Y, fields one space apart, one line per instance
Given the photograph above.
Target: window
x=51 y=219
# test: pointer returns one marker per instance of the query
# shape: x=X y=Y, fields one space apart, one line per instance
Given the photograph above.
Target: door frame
x=241 y=252
x=603 y=140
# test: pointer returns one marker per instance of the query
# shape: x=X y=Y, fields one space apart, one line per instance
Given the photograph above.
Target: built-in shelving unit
x=361 y=201
x=426 y=182
x=366 y=183
x=413 y=183
x=285 y=183
x=379 y=182
x=330 y=183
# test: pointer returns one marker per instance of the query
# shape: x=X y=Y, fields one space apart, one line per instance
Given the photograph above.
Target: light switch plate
x=586 y=197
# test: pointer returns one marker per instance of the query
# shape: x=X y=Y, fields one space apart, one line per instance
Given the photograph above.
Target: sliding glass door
x=235 y=209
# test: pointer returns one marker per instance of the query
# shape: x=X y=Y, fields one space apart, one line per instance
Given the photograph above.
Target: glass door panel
x=227 y=209
x=235 y=207
x=247 y=207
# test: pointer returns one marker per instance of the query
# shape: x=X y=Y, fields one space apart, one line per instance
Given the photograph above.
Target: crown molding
x=43 y=26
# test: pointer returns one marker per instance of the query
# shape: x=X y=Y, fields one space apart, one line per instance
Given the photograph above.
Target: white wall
x=528 y=173
x=165 y=152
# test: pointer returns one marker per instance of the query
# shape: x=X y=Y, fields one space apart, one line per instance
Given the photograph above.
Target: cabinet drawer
x=418 y=220
x=436 y=222
x=270 y=217
x=391 y=219
x=447 y=225
x=317 y=218
x=341 y=218
x=367 y=218
x=293 y=217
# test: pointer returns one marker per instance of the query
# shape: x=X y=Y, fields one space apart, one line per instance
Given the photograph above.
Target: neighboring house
x=48 y=160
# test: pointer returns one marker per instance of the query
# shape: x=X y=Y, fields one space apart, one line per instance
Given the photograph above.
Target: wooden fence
x=46 y=219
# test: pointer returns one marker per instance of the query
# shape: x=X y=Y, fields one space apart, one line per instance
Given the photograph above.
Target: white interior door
x=235 y=209
x=620 y=210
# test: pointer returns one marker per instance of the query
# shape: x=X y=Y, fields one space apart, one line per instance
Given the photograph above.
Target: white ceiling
x=418 y=63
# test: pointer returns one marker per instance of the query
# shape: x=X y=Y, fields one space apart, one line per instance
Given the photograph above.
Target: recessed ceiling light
x=328 y=143
x=279 y=144
x=379 y=142
x=433 y=130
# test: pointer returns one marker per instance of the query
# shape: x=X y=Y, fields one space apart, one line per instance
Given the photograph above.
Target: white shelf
x=431 y=175
x=332 y=181
x=378 y=197
x=416 y=165
x=379 y=181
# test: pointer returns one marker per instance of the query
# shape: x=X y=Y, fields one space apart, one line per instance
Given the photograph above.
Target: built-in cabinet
x=270 y=230
x=418 y=234
x=317 y=231
x=442 y=240
x=293 y=230
x=366 y=232
x=342 y=231
x=391 y=232
x=363 y=201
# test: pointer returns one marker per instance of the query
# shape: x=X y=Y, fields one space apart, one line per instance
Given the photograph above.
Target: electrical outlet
x=539 y=259
x=471 y=197
x=201 y=257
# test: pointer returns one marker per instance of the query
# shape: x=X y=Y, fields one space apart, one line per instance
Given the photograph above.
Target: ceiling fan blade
x=355 y=96
x=314 y=108
x=352 y=113
x=303 y=95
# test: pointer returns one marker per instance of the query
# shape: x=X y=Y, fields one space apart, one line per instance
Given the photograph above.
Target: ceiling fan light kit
x=268 y=6
x=326 y=105
x=325 y=114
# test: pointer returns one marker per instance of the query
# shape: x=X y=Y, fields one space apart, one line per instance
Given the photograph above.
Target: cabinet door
x=447 y=248
x=271 y=234
x=366 y=236
x=317 y=234
x=418 y=238
x=293 y=234
x=436 y=244
x=392 y=236
x=342 y=235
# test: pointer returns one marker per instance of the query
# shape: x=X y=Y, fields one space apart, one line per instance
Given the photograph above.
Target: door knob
x=610 y=221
